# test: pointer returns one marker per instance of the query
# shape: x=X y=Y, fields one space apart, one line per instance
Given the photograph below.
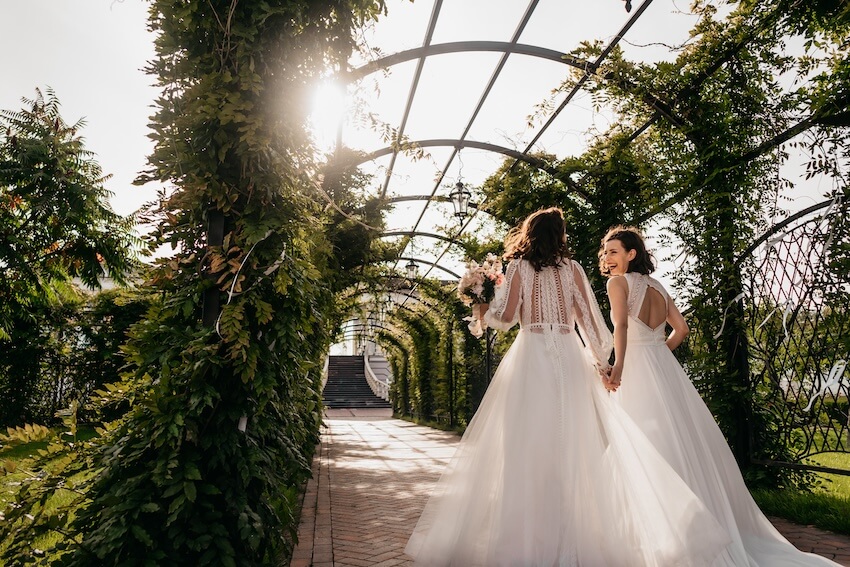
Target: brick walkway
x=372 y=476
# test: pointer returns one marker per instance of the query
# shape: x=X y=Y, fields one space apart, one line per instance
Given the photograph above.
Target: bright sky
x=92 y=52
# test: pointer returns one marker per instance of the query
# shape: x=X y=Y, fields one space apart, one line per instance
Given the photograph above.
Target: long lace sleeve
x=594 y=332
x=504 y=310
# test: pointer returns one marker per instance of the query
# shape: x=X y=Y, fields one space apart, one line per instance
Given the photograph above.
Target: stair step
x=346 y=386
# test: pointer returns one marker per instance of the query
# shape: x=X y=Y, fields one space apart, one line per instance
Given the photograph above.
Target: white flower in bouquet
x=478 y=285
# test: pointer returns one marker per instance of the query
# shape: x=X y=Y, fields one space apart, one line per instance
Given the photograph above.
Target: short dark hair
x=632 y=239
x=541 y=239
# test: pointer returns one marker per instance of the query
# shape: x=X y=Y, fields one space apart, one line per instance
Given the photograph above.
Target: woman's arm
x=594 y=332
x=504 y=311
x=618 y=296
x=680 y=326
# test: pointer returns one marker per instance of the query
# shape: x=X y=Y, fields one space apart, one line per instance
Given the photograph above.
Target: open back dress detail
x=661 y=400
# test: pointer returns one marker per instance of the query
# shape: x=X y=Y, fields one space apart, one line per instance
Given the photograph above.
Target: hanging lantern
x=460 y=197
x=412 y=270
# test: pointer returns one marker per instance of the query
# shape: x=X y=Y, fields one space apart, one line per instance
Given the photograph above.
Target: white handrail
x=379 y=387
x=325 y=371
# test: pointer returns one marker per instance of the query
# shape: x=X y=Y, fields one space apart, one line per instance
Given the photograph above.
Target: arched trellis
x=430 y=263
x=394 y=291
x=660 y=111
x=421 y=54
x=412 y=233
x=464 y=385
x=461 y=47
x=355 y=331
x=461 y=144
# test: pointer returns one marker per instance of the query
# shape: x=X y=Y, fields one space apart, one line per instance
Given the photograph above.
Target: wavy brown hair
x=632 y=239
x=541 y=239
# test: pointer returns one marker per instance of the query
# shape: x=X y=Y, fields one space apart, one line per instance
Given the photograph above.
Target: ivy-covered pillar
x=735 y=376
x=206 y=467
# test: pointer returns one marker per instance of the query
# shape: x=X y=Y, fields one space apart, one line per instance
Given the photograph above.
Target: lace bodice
x=555 y=299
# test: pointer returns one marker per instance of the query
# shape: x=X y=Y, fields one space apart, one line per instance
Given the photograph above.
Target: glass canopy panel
x=575 y=127
x=382 y=94
x=417 y=176
x=401 y=29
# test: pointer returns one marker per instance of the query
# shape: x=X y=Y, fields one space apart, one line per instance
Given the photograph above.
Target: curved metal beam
x=439 y=267
x=465 y=46
x=460 y=144
x=779 y=226
x=412 y=233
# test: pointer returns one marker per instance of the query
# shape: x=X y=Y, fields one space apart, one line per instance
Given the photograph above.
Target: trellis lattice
x=797 y=310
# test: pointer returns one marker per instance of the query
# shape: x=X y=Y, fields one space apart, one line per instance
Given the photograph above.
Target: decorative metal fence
x=797 y=309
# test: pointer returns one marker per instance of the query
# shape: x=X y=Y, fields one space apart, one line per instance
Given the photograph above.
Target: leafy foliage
x=55 y=221
x=55 y=225
x=696 y=146
x=177 y=480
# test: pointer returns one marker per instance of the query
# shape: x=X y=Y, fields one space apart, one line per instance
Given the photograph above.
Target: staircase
x=347 y=387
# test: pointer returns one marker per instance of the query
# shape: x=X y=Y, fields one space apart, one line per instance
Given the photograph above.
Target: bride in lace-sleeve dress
x=551 y=472
x=657 y=394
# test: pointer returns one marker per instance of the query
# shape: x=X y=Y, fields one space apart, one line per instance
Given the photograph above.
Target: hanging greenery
x=695 y=148
x=206 y=466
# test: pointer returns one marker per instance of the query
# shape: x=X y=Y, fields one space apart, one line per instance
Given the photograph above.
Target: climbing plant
x=712 y=123
x=205 y=467
x=695 y=148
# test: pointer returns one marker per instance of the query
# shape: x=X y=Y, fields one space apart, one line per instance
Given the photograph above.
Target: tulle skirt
x=657 y=394
x=551 y=472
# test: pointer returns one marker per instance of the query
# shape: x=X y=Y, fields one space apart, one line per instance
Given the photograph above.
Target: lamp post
x=460 y=197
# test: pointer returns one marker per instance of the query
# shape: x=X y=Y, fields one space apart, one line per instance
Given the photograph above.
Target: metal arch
x=357 y=332
x=586 y=75
x=365 y=327
x=412 y=233
x=434 y=264
x=406 y=295
x=388 y=289
x=779 y=226
x=438 y=198
x=462 y=47
x=486 y=146
x=423 y=52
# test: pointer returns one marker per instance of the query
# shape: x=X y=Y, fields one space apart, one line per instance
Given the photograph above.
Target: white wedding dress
x=659 y=397
x=550 y=471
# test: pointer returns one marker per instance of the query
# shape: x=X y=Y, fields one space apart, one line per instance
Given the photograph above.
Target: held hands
x=611 y=377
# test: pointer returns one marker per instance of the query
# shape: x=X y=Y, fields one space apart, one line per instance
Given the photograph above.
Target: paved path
x=372 y=476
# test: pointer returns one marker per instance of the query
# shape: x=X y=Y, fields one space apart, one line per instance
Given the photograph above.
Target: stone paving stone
x=372 y=476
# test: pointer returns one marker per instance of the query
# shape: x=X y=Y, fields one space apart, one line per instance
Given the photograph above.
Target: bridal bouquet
x=478 y=285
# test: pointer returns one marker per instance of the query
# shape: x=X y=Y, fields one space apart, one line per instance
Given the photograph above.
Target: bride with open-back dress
x=655 y=392
x=551 y=472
